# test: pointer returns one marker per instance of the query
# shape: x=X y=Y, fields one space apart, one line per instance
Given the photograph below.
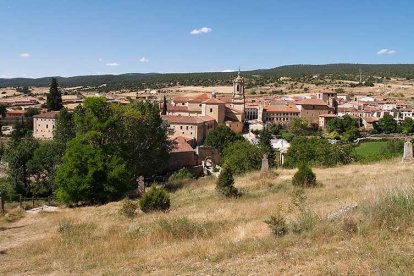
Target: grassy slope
x=370 y=148
x=221 y=235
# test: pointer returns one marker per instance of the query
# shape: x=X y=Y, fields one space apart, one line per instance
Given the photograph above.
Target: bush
x=304 y=177
x=128 y=208
x=305 y=221
x=182 y=174
x=181 y=228
x=277 y=224
x=225 y=183
x=156 y=199
x=241 y=157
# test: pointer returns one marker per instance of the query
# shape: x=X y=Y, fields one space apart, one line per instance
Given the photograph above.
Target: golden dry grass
x=208 y=234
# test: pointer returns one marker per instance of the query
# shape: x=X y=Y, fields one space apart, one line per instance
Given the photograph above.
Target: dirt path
x=32 y=227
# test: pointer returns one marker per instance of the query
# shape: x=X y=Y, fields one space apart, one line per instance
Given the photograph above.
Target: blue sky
x=78 y=37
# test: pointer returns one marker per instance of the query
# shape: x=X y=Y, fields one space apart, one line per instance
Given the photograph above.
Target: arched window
x=238 y=88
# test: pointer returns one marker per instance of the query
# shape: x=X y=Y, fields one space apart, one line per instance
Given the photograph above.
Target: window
x=211 y=110
x=238 y=88
x=181 y=127
x=47 y=125
x=186 y=127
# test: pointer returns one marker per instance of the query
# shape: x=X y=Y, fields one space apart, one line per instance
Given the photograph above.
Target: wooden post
x=48 y=200
x=33 y=201
x=20 y=201
x=1 y=206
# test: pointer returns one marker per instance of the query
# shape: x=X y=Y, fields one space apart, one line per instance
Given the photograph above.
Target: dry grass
x=208 y=234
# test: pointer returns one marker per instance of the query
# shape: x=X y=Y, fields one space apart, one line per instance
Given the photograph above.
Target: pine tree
x=164 y=107
x=54 y=98
x=225 y=183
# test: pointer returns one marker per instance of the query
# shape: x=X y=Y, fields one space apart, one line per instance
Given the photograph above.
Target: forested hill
x=136 y=81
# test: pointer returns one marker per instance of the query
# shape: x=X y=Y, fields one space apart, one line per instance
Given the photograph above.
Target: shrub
x=241 y=157
x=182 y=228
x=225 y=183
x=305 y=221
x=304 y=177
x=182 y=174
x=349 y=225
x=277 y=224
x=156 y=199
x=128 y=208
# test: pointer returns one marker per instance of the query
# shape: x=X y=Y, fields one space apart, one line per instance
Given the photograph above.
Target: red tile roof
x=370 y=119
x=311 y=102
x=214 y=101
x=47 y=115
x=180 y=144
x=287 y=108
x=173 y=119
x=175 y=108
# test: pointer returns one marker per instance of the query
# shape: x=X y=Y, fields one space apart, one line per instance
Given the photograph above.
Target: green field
x=375 y=151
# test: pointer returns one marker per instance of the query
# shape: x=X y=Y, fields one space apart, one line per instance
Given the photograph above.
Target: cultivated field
x=207 y=234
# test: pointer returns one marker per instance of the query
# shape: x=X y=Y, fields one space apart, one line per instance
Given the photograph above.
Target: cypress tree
x=164 y=107
x=54 y=98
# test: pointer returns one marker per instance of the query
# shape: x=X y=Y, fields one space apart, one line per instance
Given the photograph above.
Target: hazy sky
x=78 y=37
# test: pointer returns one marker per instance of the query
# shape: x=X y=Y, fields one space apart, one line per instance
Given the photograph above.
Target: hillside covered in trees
x=138 y=81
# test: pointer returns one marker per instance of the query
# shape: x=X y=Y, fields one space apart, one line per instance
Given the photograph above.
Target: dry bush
x=14 y=214
x=350 y=225
x=128 y=208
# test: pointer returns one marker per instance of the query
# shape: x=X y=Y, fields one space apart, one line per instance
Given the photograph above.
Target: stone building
x=44 y=125
x=195 y=116
x=311 y=109
x=281 y=115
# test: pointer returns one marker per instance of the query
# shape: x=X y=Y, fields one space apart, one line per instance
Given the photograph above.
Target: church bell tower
x=238 y=99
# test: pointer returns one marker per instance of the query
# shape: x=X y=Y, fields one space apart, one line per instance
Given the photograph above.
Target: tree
x=54 y=98
x=304 y=177
x=221 y=137
x=407 y=126
x=265 y=145
x=155 y=199
x=225 y=183
x=301 y=127
x=241 y=157
x=87 y=174
x=386 y=124
x=3 y=110
x=43 y=165
x=17 y=157
x=65 y=127
x=164 y=106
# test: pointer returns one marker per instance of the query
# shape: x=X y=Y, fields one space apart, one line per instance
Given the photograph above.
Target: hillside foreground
x=205 y=233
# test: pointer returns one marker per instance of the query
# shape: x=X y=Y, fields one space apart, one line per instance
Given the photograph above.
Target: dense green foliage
x=317 y=152
x=155 y=199
x=386 y=124
x=346 y=128
x=89 y=174
x=17 y=157
x=407 y=126
x=241 y=157
x=114 y=145
x=225 y=183
x=304 y=177
x=301 y=127
x=265 y=145
x=65 y=127
x=54 y=98
x=222 y=136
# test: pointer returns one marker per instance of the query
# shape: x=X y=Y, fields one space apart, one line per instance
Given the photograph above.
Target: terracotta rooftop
x=47 y=115
x=176 y=108
x=370 y=119
x=180 y=144
x=329 y=115
x=186 y=119
x=213 y=101
x=282 y=109
x=311 y=102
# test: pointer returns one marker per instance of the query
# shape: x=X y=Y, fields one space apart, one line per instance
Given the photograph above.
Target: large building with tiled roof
x=195 y=116
x=44 y=125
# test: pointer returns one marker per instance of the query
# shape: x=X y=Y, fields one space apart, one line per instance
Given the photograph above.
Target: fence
x=34 y=200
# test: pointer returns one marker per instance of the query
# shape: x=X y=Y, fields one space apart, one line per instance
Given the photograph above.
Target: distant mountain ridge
x=157 y=80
